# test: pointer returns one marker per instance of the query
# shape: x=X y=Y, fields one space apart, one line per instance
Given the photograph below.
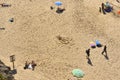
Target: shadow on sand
x=106 y=57
x=89 y=62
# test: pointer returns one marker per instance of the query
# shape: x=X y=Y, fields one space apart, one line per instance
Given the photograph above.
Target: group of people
x=30 y=65
x=105 y=7
x=104 y=52
x=59 y=10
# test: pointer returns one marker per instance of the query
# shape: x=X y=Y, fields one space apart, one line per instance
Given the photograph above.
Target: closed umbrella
x=78 y=73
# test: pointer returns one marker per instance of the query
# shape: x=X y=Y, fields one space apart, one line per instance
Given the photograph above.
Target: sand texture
x=34 y=36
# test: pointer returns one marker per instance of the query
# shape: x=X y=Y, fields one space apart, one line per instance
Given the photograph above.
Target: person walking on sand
x=88 y=53
x=104 y=50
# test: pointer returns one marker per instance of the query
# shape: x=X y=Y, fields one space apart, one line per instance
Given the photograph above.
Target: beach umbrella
x=78 y=73
x=58 y=3
x=97 y=42
x=92 y=44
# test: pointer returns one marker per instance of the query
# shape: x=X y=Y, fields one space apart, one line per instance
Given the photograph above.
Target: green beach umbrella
x=78 y=73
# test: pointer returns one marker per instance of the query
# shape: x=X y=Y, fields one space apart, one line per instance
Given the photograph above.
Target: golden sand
x=32 y=36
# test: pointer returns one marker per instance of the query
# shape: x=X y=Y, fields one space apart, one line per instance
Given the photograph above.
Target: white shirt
x=30 y=66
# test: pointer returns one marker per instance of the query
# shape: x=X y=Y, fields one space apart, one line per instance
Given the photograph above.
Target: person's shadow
x=89 y=62
x=106 y=57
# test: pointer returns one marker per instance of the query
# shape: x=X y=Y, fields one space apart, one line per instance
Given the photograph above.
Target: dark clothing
x=100 y=9
x=5 y=5
x=103 y=8
x=51 y=8
x=33 y=65
x=59 y=10
x=26 y=65
x=105 y=49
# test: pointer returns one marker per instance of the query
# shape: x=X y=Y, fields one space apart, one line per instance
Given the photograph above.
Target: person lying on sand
x=30 y=65
x=5 y=5
x=59 y=10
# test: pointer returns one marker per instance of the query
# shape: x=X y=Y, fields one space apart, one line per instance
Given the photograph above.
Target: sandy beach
x=33 y=36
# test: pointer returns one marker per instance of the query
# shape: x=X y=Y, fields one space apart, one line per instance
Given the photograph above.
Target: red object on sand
x=118 y=12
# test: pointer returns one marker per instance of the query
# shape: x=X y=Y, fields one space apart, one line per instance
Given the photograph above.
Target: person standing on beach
x=104 y=50
x=88 y=53
x=103 y=8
